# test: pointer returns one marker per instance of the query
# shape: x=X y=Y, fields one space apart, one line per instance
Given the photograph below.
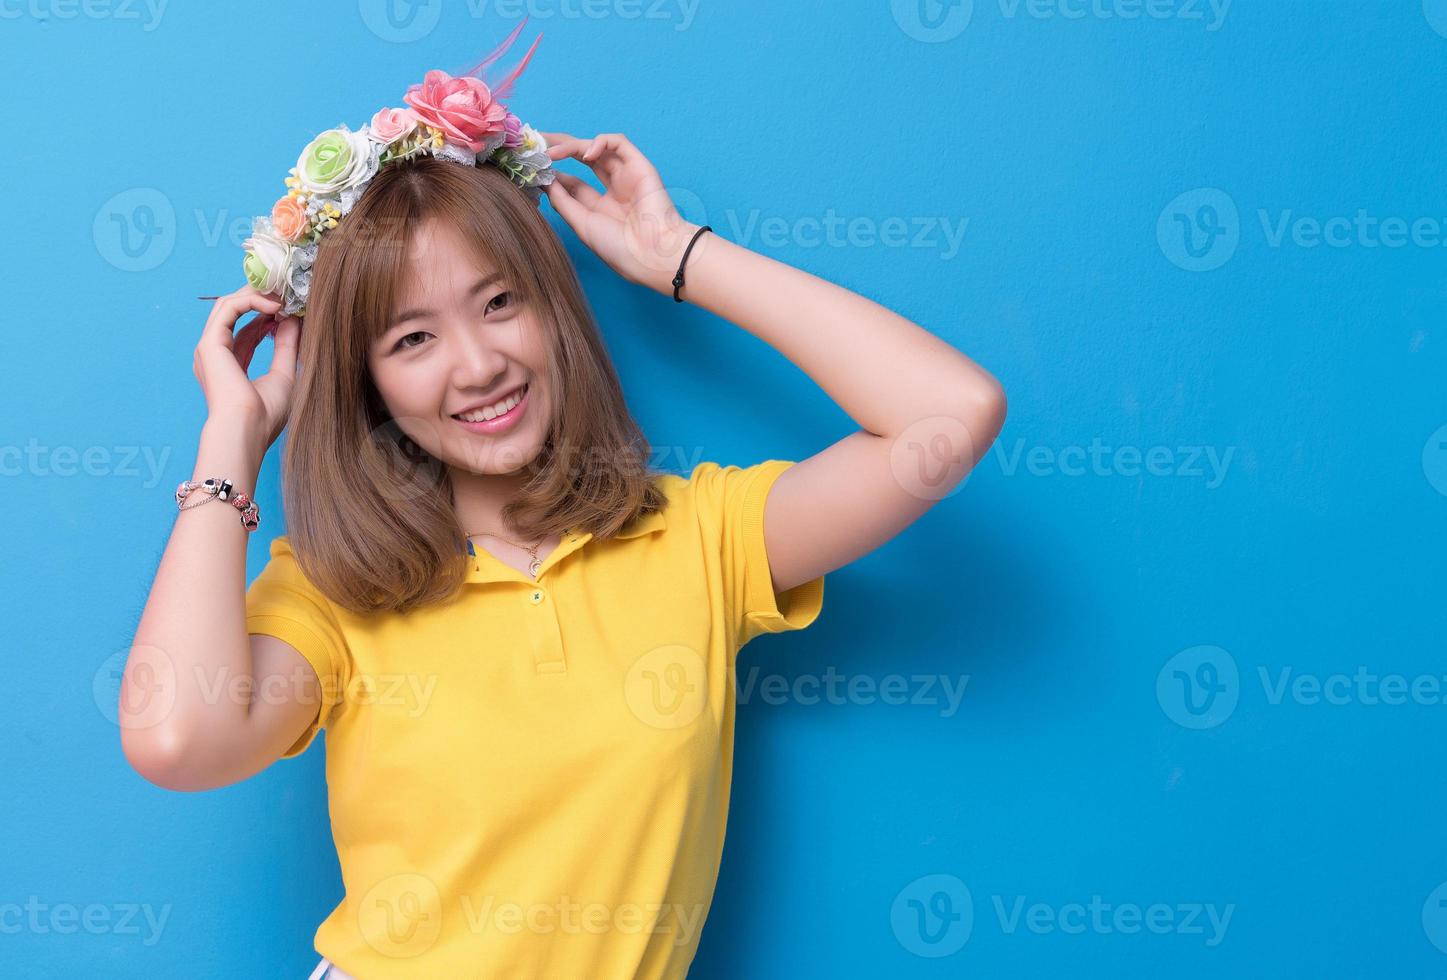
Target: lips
x=520 y=391
x=499 y=424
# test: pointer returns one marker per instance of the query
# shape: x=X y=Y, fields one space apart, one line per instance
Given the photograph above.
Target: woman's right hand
x=257 y=408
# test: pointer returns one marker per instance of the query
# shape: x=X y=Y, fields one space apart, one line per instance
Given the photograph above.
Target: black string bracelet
x=678 y=276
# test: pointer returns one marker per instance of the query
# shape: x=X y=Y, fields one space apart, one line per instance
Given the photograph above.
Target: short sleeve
x=730 y=502
x=281 y=602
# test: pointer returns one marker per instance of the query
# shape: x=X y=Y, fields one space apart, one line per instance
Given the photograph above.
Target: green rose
x=336 y=160
x=268 y=258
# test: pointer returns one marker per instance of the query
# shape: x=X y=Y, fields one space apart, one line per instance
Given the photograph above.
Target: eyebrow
x=417 y=314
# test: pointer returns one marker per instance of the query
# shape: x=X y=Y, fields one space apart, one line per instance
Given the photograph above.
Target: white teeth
x=493 y=411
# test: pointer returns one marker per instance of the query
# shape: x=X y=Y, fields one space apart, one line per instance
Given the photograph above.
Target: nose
x=477 y=364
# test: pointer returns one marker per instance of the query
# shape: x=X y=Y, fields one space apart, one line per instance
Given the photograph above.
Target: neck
x=478 y=500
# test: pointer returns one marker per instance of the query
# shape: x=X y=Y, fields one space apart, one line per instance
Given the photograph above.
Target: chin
x=504 y=457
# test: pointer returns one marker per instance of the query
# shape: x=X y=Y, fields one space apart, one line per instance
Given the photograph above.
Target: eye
x=402 y=343
x=503 y=295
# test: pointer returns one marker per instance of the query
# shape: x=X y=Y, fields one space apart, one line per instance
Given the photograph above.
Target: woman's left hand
x=633 y=226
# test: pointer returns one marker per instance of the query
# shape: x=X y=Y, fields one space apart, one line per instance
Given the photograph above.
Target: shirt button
x=537 y=596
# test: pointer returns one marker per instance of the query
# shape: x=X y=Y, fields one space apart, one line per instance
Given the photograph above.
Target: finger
x=565 y=204
x=569 y=147
x=221 y=323
x=286 y=340
x=554 y=138
x=604 y=164
x=249 y=337
x=217 y=339
x=611 y=154
x=618 y=145
x=580 y=190
x=601 y=143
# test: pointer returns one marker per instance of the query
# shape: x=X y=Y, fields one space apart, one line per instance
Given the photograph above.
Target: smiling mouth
x=521 y=395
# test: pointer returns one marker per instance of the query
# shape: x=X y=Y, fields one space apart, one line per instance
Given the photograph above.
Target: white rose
x=529 y=158
x=268 y=258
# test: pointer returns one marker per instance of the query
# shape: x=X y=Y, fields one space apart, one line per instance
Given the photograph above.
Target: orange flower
x=288 y=217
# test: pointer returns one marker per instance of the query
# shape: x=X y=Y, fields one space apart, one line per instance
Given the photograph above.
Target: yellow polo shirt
x=531 y=779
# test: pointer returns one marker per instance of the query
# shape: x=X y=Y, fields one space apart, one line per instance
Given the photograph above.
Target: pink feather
x=504 y=88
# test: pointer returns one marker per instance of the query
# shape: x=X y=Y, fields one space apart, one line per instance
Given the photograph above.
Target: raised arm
x=927 y=413
x=202 y=704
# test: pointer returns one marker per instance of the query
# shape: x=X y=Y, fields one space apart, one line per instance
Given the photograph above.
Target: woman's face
x=460 y=339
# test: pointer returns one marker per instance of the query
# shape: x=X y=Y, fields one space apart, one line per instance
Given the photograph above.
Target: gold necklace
x=534 y=565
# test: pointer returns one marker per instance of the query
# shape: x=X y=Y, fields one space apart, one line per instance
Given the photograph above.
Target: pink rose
x=390 y=125
x=463 y=108
x=288 y=219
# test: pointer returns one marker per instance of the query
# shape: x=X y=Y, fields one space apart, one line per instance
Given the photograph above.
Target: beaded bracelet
x=218 y=488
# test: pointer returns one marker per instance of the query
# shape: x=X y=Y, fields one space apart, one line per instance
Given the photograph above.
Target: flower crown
x=459 y=119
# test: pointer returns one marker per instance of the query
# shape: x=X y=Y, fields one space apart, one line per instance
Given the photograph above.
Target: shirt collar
x=483 y=567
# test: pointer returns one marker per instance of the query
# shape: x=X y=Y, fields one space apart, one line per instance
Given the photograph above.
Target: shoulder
x=717 y=483
x=284 y=569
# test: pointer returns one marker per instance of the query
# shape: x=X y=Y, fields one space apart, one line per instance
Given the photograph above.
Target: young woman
x=520 y=640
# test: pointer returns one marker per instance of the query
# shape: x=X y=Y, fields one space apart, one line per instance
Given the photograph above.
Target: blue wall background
x=1224 y=470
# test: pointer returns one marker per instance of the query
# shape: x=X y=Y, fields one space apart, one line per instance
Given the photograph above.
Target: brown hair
x=369 y=514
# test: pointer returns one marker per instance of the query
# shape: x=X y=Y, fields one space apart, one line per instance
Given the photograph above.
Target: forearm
x=885 y=371
x=189 y=673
